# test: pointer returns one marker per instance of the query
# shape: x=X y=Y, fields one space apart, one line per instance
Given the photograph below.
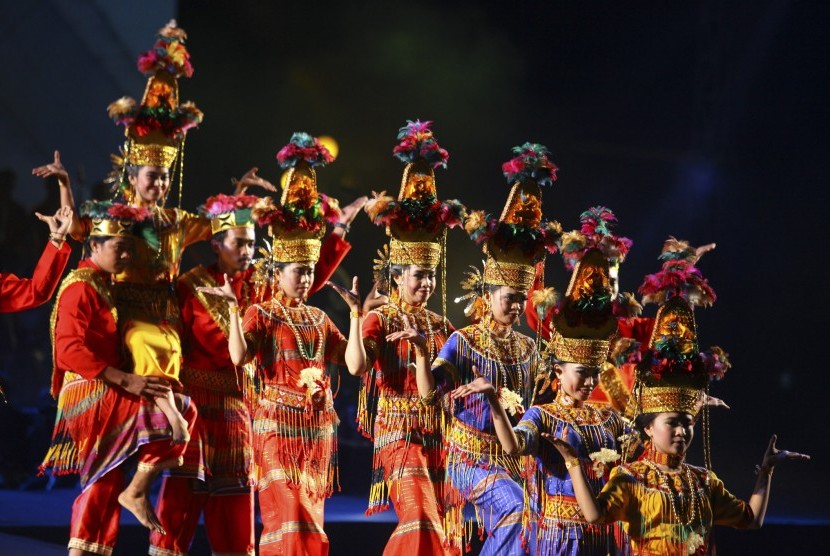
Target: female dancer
x=289 y=344
x=408 y=461
x=477 y=467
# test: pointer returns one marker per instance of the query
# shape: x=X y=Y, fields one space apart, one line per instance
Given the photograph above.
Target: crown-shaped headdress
x=227 y=212
x=156 y=127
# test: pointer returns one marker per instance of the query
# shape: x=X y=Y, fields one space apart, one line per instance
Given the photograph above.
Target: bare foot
x=141 y=508
x=180 y=434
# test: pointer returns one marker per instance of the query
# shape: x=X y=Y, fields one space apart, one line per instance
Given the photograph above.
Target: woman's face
x=150 y=184
x=671 y=433
x=577 y=381
x=416 y=284
x=507 y=304
x=295 y=279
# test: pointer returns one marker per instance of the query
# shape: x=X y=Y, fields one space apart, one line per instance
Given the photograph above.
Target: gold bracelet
x=233 y=309
x=571 y=462
x=355 y=314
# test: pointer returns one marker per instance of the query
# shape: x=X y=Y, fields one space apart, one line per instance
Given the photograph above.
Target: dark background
x=704 y=120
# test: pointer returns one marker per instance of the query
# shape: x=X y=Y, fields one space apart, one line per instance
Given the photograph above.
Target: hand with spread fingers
x=225 y=291
x=55 y=168
x=479 y=385
x=374 y=300
x=250 y=179
x=409 y=333
x=774 y=456
x=351 y=297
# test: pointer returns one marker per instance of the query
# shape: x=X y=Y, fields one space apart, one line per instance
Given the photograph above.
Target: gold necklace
x=694 y=497
x=315 y=353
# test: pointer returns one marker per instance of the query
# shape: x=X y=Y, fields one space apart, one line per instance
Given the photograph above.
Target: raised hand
x=59 y=223
x=374 y=300
x=53 y=169
x=225 y=291
x=250 y=179
x=478 y=386
x=712 y=401
x=348 y=212
x=562 y=445
x=774 y=456
x=351 y=297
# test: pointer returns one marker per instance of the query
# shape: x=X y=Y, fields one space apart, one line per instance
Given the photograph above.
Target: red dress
x=408 y=463
x=294 y=423
x=19 y=294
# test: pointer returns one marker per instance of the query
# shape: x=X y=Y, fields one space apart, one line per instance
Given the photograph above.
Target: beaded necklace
x=417 y=311
x=315 y=353
x=508 y=345
x=694 y=505
x=580 y=417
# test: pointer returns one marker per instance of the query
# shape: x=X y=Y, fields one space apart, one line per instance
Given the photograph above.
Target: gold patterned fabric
x=583 y=351
x=660 y=399
x=424 y=253
x=295 y=250
x=149 y=154
x=514 y=275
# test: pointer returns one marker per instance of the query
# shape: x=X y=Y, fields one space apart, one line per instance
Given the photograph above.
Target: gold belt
x=400 y=404
x=562 y=508
x=470 y=439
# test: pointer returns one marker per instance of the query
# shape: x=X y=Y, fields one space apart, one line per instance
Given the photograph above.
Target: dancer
x=477 y=466
x=408 y=465
x=288 y=344
x=668 y=506
x=105 y=415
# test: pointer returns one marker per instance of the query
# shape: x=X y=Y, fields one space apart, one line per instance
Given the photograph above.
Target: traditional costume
x=215 y=478
x=582 y=332
x=672 y=513
x=19 y=294
x=477 y=466
x=408 y=462
x=294 y=423
x=99 y=426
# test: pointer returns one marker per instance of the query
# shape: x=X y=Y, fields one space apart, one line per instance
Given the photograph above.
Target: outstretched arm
x=507 y=437
x=355 y=355
x=760 y=494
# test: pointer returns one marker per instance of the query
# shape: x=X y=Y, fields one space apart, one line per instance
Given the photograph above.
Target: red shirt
x=86 y=339
x=19 y=294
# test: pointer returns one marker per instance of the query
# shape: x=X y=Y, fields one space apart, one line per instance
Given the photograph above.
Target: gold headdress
x=673 y=374
x=519 y=239
x=156 y=127
x=299 y=221
x=585 y=324
x=117 y=220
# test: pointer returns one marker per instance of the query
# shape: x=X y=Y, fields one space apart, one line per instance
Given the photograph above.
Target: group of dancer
x=219 y=378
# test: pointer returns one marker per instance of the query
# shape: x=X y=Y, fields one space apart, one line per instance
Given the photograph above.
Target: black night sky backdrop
x=703 y=120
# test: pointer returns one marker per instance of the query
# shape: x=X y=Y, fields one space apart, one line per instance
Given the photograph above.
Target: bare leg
x=167 y=405
x=136 y=498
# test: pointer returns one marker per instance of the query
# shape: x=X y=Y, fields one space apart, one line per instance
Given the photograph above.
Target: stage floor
x=36 y=523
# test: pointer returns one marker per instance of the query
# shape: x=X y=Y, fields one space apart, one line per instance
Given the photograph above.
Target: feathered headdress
x=672 y=372
x=156 y=127
x=595 y=233
x=415 y=141
x=519 y=238
x=299 y=221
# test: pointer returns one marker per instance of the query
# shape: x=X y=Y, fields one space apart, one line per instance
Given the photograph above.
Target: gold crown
x=515 y=275
x=583 y=351
x=667 y=399
x=104 y=227
x=424 y=253
x=295 y=250
x=150 y=154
